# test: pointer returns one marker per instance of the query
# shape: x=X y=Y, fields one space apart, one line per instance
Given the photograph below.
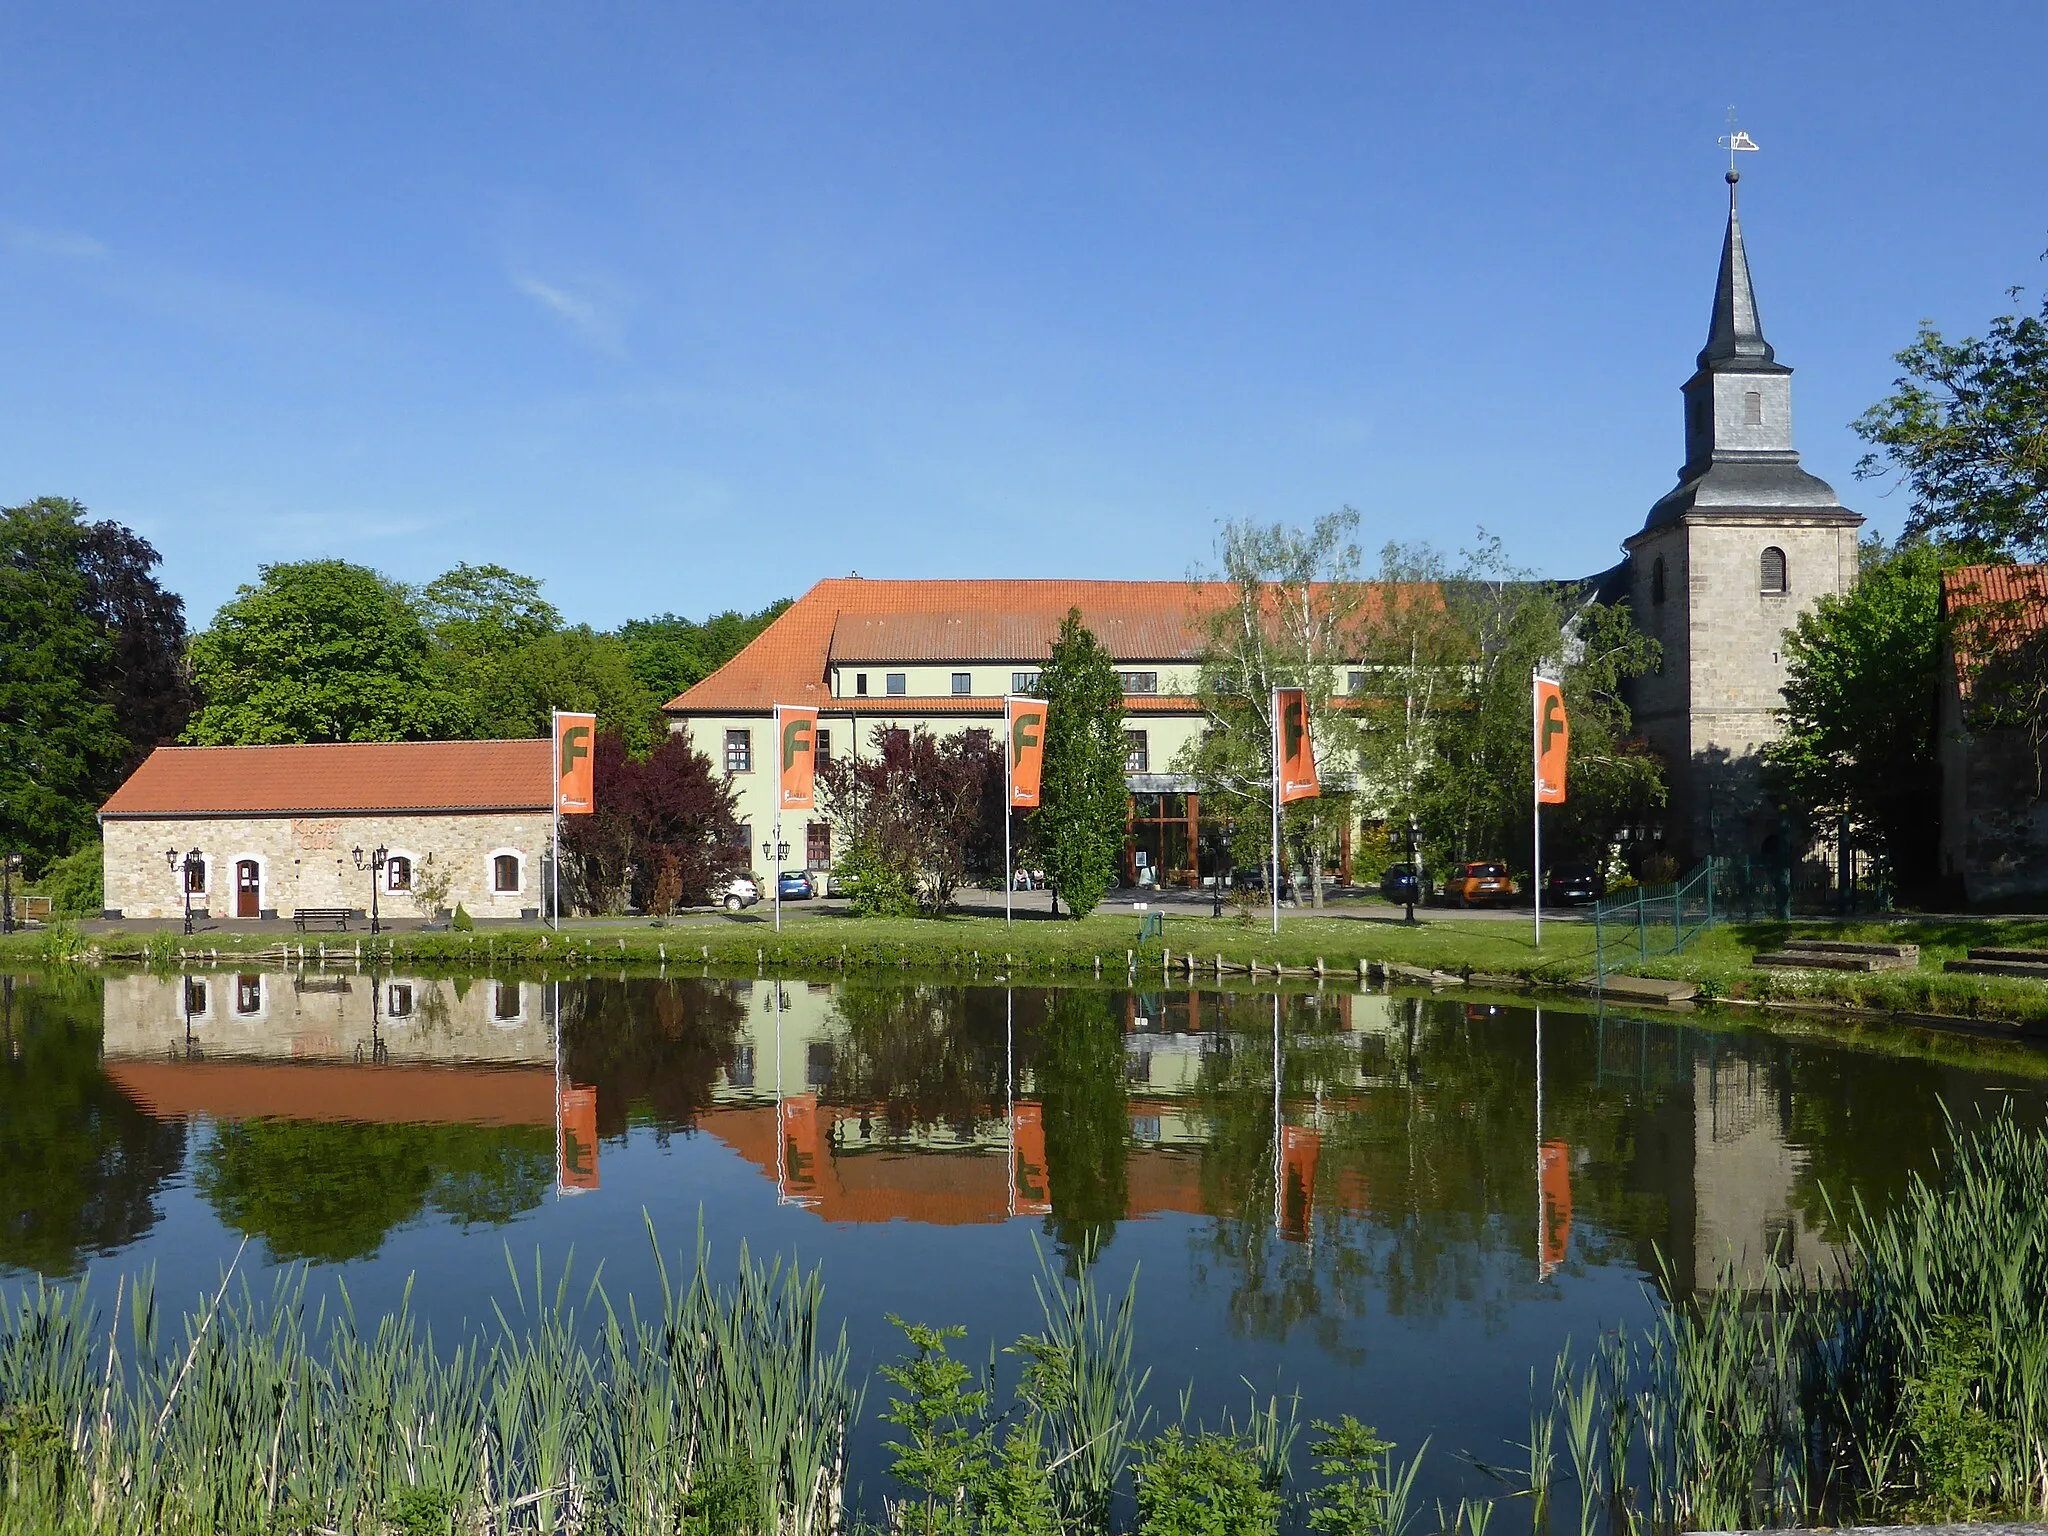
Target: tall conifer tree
x=1083 y=805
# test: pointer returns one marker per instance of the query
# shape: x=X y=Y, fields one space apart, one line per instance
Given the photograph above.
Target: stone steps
x=1838 y=955
x=2026 y=964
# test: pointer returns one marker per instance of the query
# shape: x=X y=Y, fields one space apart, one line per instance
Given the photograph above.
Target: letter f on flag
x=1553 y=742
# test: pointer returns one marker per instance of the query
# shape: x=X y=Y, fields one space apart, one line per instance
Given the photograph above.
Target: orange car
x=1479 y=883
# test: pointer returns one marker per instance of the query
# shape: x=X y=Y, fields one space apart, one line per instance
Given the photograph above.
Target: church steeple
x=1736 y=337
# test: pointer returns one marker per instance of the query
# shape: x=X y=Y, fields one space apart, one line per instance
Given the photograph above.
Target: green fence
x=1655 y=919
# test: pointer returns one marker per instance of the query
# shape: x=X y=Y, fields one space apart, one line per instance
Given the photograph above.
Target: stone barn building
x=1994 y=815
x=276 y=829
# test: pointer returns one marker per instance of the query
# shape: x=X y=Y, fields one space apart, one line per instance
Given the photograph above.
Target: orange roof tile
x=852 y=619
x=338 y=778
x=2016 y=597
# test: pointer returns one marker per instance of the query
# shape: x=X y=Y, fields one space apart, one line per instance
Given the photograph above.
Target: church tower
x=1746 y=543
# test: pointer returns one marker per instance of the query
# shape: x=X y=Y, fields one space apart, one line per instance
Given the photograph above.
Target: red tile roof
x=338 y=778
x=851 y=619
x=2012 y=603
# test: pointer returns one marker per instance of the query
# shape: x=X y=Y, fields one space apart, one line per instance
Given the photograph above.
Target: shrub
x=463 y=922
x=73 y=883
x=1205 y=1485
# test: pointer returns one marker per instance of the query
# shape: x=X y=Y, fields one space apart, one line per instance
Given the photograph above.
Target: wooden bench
x=323 y=917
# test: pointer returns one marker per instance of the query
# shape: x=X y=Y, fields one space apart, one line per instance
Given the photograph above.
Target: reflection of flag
x=1300 y=1145
x=1297 y=752
x=1554 y=1180
x=574 y=737
x=796 y=745
x=1553 y=742
x=1024 y=744
x=1027 y=1135
x=802 y=1144
x=579 y=1138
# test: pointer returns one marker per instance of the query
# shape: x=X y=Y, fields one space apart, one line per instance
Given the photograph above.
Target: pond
x=1399 y=1206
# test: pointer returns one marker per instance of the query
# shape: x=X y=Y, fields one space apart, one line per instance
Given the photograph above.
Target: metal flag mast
x=1009 y=809
x=1273 y=875
x=1536 y=798
x=555 y=841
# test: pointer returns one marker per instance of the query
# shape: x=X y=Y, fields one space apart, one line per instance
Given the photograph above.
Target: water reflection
x=1339 y=1149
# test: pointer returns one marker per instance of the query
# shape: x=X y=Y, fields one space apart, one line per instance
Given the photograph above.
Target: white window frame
x=743 y=738
x=896 y=685
x=491 y=871
x=502 y=1020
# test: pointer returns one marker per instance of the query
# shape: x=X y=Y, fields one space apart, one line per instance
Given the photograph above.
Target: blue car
x=795 y=886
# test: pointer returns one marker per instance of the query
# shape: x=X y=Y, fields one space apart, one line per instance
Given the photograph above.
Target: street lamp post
x=9 y=863
x=375 y=865
x=187 y=871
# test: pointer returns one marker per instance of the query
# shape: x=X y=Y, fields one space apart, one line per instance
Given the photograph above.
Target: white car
x=740 y=891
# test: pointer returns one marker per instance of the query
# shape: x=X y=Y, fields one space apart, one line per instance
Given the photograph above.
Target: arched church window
x=1773 y=570
x=1753 y=408
x=1657 y=580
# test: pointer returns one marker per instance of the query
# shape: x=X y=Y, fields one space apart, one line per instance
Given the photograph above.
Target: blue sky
x=681 y=307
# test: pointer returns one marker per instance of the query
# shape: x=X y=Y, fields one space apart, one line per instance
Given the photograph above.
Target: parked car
x=1401 y=884
x=795 y=885
x=1573 y=885
x=740 y=891
x=1254 y=879
x=1485 y=884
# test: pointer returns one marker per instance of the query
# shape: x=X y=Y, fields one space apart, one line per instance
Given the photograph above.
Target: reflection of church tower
x=1723 y=566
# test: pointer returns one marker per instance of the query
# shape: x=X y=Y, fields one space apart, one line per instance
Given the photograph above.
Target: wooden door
x=248 y=889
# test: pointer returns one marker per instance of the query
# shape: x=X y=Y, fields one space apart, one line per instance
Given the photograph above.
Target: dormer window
x=1771 y=573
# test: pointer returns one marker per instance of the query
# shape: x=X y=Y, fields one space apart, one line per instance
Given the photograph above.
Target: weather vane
x=1735 y=141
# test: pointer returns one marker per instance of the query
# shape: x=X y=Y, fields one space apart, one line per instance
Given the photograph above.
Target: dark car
x=795 y=885
x=1401 y=884
x=1573 y=885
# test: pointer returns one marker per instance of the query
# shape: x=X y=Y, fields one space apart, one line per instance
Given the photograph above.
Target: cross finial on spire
x=1736 y=142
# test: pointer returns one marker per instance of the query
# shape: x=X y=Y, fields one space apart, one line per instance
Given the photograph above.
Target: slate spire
x=1736 y=338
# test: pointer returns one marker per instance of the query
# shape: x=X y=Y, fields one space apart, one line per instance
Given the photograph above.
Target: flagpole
x=1536 y=800
x=1009 y=791
x=1273 y=708
x=555 y=844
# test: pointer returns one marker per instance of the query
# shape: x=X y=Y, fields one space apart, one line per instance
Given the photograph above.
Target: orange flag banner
x=1024 y=740
x=1553 y=742
x=1297 y=753
x=575 y=736
x=796 y=755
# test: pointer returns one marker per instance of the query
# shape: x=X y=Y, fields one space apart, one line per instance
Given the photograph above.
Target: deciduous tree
x=1078 y=828
x=1862 y=696
x=318 y=650
x=919 y=811
x=663 y=819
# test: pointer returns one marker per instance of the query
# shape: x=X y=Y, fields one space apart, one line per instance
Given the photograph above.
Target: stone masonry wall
x=305 y=861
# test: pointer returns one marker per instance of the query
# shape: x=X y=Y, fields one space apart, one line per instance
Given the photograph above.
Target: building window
x=505 y=873
x=1023 y=682
x=1137 y=753
x=860 y=684
x=1354 y=683
x=195 y=876
x=1139 y=682
x=1657 y=580
x=739 y=751
x=821 y=744
x=818 y=1064
x=741 y=1073
x=818 y=845
x=896 y=682
x=398 y=1000
x=398 y=873
x=743 y=843
x=1771 y=570
x=248 y=995
x=195 y=995
x=963 y=682
x=1753 y=408
x=897 y=740
x=508 y=1005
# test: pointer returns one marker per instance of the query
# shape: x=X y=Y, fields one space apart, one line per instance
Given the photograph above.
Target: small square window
x=898 y=682
x=739 y=751
x=860 y=684
x=963 y=682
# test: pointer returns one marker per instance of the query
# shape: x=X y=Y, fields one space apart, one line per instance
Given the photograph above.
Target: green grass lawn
x=1044 y=948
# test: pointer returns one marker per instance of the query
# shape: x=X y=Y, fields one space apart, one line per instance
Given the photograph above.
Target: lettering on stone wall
x=309 y=832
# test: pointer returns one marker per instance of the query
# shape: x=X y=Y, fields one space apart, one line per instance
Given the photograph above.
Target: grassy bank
x=1041 y=949
x=1911 y=1385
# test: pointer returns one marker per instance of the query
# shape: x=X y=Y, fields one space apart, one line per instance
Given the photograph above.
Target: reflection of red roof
x=383 y=1095
x=852 y=620
x=338 y=778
